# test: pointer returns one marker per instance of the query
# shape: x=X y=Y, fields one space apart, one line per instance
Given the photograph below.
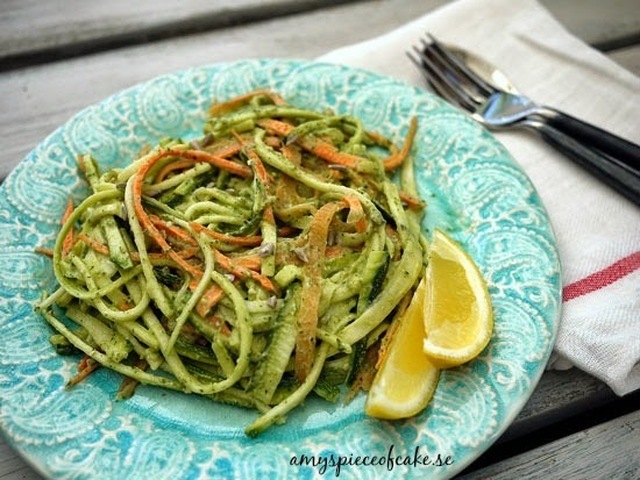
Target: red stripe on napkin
x=602 y=278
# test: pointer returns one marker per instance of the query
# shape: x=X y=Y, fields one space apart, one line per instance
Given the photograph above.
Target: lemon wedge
x=458 y=316
x=406 y=379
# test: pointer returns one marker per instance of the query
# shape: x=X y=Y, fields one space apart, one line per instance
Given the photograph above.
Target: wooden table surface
x=57 y=57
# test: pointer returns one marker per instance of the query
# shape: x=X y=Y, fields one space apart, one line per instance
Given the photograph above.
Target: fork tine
x=448 y=88
x=439 y=87
x=452 y=74
x=447 y=56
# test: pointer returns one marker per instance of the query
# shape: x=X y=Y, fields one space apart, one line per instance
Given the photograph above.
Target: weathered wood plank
x=29 y=112
x=69 y=27
x=609 y=450
x=559 y=395
x=13 y=467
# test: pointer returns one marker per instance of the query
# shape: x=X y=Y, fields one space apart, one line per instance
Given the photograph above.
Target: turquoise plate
x=474 y=190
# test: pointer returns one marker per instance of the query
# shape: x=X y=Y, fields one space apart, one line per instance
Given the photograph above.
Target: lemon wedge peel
x=448 y=322
x=458 y=314
x=406 y=379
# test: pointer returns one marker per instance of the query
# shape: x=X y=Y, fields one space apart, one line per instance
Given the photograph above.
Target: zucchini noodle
x=255 y=265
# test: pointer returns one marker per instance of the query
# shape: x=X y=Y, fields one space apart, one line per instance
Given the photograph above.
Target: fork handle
x=620 y=177
x=609 y=144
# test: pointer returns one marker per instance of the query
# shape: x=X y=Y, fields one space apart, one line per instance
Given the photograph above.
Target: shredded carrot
x=173 y=230
x=217 y=161
x=272 y=141
x=135 y=256
x=219 y=325
x=214 y=294
x=395 y=160
x=250 y=262
x=44 y=251
x=228 y=150
x=277 y=127
x=68 y=240
x=411 y=200
x=230 y=239
x=94 y=244
x=221 y=259
x=242 y=142
x=124 y=305
x=325 y=150
x=210 y=298
x=286 y=231
x=292 y=154
x=334 y=251
x=144 y=219
x=243 y=272
x=267 y=215
x=261 y=171
x=356 y=213
x=85 y=368
x=381 y=140
x=311 y=288
x=189 y=252
x=128 y=384
x=172 y=167
x=242 y=100
x=328 y=152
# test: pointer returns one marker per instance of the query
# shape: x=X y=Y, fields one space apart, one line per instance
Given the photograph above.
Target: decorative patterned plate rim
x=501 y=209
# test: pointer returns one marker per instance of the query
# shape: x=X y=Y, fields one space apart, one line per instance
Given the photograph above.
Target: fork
x=614 y=160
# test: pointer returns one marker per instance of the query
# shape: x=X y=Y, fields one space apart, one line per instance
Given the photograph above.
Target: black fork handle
x=618 y=175
x=609 y=144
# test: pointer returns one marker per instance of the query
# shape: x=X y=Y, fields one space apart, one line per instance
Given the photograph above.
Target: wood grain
x=609 y=450
x=29 y=112
x=71 y=27
x=559 y=395
x=33 y=30
x=13 y=467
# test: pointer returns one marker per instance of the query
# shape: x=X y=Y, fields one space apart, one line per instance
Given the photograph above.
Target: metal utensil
x=489 y=97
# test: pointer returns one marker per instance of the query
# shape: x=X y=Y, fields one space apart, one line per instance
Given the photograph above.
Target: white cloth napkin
x=597 y=230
